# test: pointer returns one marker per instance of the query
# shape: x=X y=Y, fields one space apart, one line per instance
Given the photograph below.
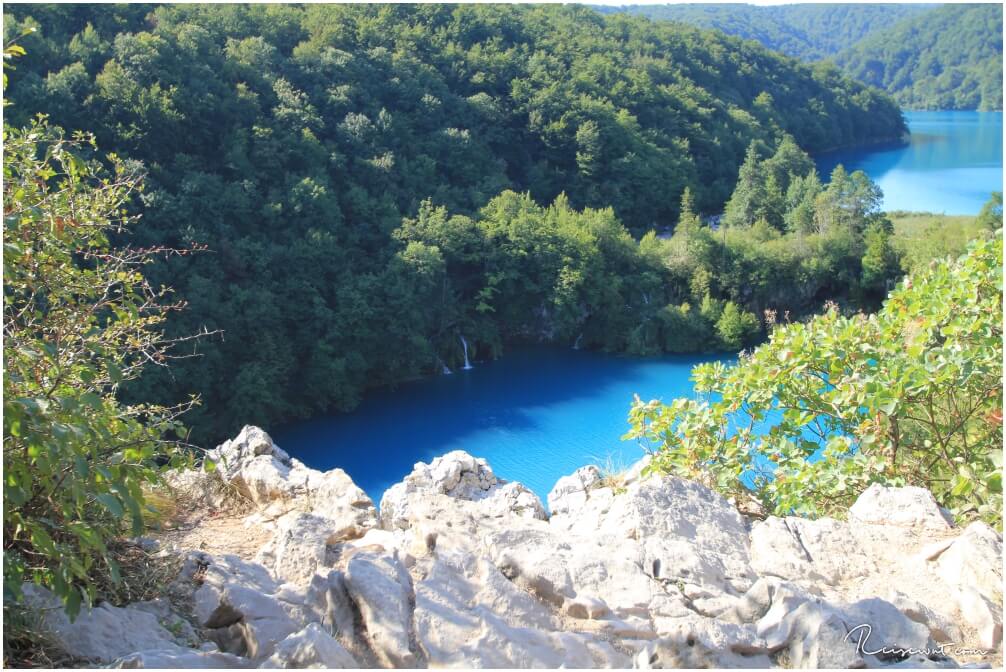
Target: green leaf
x=995 y=483
x=111 y=502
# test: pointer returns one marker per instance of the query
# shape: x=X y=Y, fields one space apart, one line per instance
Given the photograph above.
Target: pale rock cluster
x=462 y=569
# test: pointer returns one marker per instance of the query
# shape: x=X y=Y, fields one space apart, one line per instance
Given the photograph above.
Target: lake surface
x=951 y=165
x=535 y=415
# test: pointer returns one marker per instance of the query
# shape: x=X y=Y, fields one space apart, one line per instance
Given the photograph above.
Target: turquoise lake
x=541 y=412
x=536 y=414
x=951 y=165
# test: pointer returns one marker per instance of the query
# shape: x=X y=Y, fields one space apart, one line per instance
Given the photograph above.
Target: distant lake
x=951 y=165
x=536 y=414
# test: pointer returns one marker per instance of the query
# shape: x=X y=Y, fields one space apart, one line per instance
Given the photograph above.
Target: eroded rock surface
x=465 y=570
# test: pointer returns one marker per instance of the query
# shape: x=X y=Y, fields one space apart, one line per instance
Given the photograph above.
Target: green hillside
x=946 y=57
x=807 y=32
x=949 y=58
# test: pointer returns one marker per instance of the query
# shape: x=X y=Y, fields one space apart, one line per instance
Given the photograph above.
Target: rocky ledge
x=462 y=569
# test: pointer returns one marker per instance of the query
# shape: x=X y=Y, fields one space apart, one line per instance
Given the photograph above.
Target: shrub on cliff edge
x=79 y=320
x=909 y=396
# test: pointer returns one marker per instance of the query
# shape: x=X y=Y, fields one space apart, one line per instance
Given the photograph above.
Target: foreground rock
x=465 y=570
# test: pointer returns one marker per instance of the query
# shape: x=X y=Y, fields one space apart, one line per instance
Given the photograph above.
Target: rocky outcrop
x=908 y=506
x=279 y=485
x=458 y=475
x=465 y=570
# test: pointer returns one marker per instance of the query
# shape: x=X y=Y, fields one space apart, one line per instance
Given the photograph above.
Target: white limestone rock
x=382 y=589
x=888 y=626
x=516 y=499
x=907 y=506
x=301 y=545
x=469 y=615
x=178 y=657
x=798 y=549
x=942 y=628
x=327 y=601
x=974 y=560
x=456 y=474
x=687 y=531
x=245 y=611
x=817 y=637
x=466 y=571
x=570 y=492
x=103 y=633
x=585 y=606
x=713 y=634
x=278 y=484
x=310 y=648
x=981 y=614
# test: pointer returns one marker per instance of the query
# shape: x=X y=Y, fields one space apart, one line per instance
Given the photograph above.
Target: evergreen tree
x=688 y=221
x=880 y=262
x=789 y=161
x=747 y=202
x=801 y=198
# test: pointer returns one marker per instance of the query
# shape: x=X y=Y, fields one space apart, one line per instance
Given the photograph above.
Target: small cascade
x=576 y=343
x=464 y=344
x=444 y=369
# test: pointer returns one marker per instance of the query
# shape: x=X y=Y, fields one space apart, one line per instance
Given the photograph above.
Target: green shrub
x=736 y=327
x=910 y=395
x=79 y=320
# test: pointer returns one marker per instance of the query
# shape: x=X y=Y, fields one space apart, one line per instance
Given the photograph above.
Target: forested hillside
x=949 y=59
x=945 y=57
x=808 y=32
x=292 y=141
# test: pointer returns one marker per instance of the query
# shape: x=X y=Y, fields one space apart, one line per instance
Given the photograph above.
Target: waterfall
x=444 y=369
x=464 y=344
x=576 y=343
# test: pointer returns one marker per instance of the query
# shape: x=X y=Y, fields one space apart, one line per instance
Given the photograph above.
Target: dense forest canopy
x=926 y=56
x=949 y=58
x=372 y=183
x=809 y=32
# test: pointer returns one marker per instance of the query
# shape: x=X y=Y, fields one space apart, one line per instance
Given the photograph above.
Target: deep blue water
x=536 y=414
x=951 y=165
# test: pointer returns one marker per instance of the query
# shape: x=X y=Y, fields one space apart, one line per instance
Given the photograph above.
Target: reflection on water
x=951 y=164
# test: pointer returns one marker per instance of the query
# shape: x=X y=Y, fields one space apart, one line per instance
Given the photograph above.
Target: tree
x=880 y=261
x=991 y=214
x=747 y=202
x=788 y=162
x=801 y=197
x=79 y=321
x=736 y=327
x=850 y=202
x=688 y=221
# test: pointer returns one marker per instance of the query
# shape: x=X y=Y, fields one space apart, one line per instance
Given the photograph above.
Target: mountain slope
x=950 y=58
x=926 y=56
x=807 y=32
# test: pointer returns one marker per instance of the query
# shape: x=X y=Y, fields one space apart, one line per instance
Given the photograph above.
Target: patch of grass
x=165 y=507
x=26 y=644
x=612 y=474
x=144 y=576
x=920 y=237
